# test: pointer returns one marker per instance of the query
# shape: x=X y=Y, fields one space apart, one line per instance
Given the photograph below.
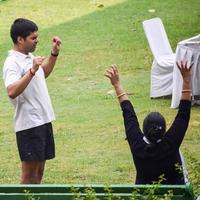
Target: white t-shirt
x=33 y=106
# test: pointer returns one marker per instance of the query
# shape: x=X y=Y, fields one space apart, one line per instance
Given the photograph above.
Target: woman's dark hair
x=22 y=27
x=154 y=127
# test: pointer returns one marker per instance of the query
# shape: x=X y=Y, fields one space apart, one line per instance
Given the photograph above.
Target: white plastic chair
x=164 y=58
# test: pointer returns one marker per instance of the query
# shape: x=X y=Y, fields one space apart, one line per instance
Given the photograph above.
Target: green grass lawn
x=89 y=132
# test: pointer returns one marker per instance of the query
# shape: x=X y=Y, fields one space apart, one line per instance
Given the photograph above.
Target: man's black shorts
x=36 y=144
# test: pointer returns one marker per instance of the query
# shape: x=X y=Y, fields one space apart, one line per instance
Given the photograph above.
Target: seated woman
x=155 y=151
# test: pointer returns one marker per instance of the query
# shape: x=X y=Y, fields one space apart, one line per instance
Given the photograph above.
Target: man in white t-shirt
x=24 y=76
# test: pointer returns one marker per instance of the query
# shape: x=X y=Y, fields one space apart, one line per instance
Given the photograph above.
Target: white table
x=187 y=50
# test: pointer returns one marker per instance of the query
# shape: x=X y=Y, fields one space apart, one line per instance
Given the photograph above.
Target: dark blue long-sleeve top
x=164 y=157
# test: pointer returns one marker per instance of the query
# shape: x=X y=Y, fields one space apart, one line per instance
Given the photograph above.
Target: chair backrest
x=157 y=37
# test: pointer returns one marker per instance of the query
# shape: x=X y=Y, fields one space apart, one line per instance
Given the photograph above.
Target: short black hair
x=22 y=27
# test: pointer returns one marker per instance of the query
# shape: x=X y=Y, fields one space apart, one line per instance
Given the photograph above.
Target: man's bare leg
x=32 y=172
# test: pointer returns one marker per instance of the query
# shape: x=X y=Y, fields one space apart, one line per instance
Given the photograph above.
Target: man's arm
x=49 y=63
x=16 y=88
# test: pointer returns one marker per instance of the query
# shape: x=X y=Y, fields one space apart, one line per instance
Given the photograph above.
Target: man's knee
x=32 y=172
x=29 y=179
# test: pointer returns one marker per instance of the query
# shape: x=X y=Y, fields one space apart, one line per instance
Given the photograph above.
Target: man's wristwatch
x=32 y=73
x=53 y=54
